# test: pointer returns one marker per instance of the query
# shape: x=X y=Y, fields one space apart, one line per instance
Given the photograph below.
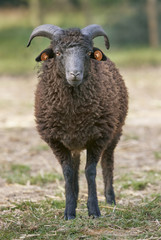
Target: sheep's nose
x=74 y=74
x=74 y=77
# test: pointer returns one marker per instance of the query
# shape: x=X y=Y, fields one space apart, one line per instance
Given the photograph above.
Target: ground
x=26 y=161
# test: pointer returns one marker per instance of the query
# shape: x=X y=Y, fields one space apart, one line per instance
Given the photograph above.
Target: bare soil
x=135 y=153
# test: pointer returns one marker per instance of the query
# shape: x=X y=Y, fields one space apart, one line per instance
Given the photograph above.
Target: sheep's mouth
x=74 y=82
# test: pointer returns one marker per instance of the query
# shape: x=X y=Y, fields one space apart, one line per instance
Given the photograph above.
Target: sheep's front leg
x=71 y=201
x=65 y=159
x=75 y=164
x=92 y=204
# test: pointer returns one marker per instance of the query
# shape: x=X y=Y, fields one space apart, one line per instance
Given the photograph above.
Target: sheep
x=81 y=103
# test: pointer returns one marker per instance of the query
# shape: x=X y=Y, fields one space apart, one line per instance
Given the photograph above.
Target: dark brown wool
x=89 y=116
x=75 y=116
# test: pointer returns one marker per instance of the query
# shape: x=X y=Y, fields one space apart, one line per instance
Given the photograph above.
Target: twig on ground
x=114 y=208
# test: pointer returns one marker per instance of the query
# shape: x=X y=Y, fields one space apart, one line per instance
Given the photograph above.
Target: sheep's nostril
x=74 y=74
x=74 y=78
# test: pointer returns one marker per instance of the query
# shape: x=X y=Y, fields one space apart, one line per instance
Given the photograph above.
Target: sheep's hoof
x=70 y=217
x=94 y=215
x=93 y=210
x=110 y=199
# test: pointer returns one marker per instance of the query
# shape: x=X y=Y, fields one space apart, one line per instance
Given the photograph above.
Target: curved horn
x=95 y=30
x=45 y=30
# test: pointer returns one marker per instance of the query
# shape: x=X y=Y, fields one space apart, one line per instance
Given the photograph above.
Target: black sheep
x=81 y=102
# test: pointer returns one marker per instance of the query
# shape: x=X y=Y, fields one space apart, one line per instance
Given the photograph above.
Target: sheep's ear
x=45 y=55
x=98 y=55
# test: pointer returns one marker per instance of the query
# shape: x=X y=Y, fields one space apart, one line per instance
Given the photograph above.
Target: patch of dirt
x=135 y=152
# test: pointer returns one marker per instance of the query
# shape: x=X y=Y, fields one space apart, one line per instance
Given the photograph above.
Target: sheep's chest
x=74 y=120
x=74 y=127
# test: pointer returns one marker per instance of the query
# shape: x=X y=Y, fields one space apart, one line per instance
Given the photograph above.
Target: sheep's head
x=71 y=49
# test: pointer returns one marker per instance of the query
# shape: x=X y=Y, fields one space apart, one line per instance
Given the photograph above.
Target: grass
x=135 y=185
x=45 y=178
x=157 y=155
x=136 y=56
x=17 y=58
x=21 y=174
x=138 y=181
x=44 y=220
x=131 y=136
x=39 y=148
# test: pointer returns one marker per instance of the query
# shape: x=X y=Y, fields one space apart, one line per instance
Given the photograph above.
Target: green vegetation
x=130 y=136
x=39 y=148
x=44 y=220
x=136 y=57
x=15 y=30
x=17 y=59
x=16 y=173
x=137 y=181
x=157 y=155
x=21 y=174
x=136 y=185
x=45 y=178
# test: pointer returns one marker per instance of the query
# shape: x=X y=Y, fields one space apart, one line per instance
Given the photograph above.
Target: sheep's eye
x=58 y=53
x=89 y=53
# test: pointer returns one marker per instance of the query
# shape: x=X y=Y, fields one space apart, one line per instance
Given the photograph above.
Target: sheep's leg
x=71 y=201
x=65 y=159
x=92 y=204
x=107 y=170
x=107 y=163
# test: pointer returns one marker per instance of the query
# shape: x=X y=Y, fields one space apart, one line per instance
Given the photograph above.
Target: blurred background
x=132 y=27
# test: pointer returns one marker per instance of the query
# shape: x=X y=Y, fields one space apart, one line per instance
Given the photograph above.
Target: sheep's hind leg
x=107 y=163
x=92 y=204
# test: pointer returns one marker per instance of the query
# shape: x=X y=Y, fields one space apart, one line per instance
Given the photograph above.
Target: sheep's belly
x=73 y=144
x=79 y=140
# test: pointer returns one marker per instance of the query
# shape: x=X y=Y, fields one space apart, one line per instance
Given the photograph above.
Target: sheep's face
x=72 y=52
x=73 y=63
